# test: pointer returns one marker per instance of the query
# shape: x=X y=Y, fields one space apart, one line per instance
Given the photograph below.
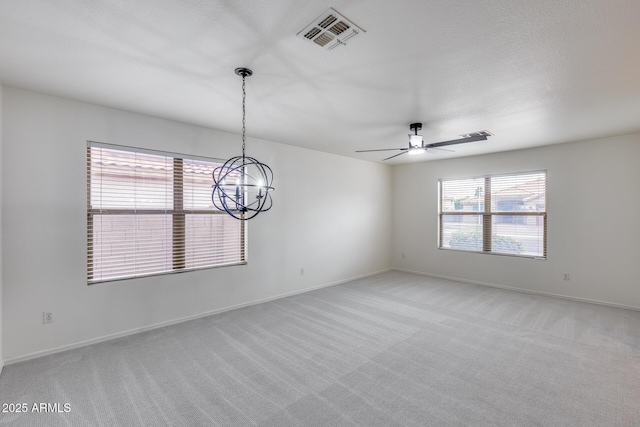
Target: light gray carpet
x=393 y=349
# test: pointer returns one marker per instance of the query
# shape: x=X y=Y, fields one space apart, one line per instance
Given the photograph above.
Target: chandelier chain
x=244 y=112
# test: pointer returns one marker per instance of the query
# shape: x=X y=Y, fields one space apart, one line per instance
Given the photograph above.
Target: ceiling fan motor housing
x=415 y=140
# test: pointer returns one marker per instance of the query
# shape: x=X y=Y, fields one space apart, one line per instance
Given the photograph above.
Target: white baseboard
x=526 y=291
x=91 y=341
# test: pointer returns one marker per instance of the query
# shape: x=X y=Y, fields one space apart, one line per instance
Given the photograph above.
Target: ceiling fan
x=417 y=145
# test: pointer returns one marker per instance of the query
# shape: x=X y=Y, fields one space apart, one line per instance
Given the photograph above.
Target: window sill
x=495 y=253
x=162 y=273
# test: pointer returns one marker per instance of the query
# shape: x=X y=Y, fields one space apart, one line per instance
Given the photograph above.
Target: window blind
x=151 y=212
x=504 y=214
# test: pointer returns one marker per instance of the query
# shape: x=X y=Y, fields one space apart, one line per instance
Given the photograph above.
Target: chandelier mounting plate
x=243 y=72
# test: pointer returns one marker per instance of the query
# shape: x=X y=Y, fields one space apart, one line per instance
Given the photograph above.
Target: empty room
x=296 y=213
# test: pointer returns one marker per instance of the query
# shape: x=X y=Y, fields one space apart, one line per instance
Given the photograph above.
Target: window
x=503 y=214
x=150 y=212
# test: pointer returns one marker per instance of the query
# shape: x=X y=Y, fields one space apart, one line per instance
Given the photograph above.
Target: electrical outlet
x=302 y=271
x=566 y=277
x=47 y=317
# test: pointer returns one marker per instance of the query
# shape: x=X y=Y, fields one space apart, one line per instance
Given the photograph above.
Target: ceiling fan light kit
x=417 y=145
x=415 y=140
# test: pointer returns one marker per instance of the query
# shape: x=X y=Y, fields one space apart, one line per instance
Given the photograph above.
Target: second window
x=502 y=214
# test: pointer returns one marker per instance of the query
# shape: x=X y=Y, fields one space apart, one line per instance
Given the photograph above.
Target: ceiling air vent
x=330 y=30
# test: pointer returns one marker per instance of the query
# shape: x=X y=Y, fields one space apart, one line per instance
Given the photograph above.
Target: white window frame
x=178 y=216
x=486 y=215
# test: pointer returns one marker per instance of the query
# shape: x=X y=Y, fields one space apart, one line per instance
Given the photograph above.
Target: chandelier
x=242 y=185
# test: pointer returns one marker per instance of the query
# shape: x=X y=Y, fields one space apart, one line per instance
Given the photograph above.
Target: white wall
x=593 y=227
x=331 y=216
x=1 y=354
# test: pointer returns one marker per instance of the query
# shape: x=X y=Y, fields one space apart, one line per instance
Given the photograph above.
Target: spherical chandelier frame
x=243 y=186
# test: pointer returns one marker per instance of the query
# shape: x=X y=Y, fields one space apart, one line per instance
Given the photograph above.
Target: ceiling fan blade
x=395 y=155
x=440 y=149
x=382 y=149
x=457 y=141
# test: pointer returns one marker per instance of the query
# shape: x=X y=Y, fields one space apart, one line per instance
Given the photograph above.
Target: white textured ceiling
x=532 y=72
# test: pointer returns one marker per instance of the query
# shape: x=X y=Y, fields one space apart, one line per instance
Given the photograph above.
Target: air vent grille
x=323 y=39
x=330 y=30
x=312 y=33
x=327 y=21
x=339 y=28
